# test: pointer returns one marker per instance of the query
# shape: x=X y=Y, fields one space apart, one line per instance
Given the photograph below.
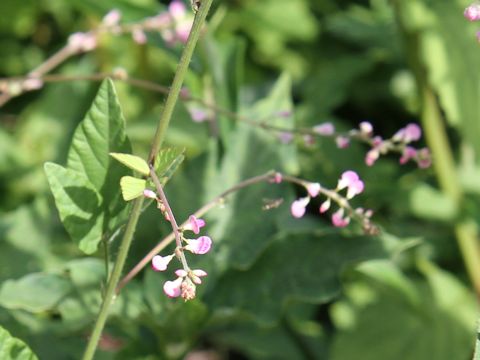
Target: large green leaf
x=443 y=318
x=305 y=268
x=449 y=51
x=34 y=292
x=90 y=203
x=14 y=349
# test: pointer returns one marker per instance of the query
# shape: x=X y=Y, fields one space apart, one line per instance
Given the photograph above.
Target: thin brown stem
x=171 y=217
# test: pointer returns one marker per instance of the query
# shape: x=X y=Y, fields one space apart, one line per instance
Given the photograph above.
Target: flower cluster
x=349 y=181
x=187 y=279
x=399 y=142
x=472 y=13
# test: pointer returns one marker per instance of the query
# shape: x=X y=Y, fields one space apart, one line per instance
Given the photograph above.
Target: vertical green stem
x=164 y=120
x=178 y=79
x=447 y=176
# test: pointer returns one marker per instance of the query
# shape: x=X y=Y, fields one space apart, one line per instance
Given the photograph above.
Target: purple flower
x=173 y=288
x=408 y=153
x=194 y=224
x=199 y=246
x=352 y=182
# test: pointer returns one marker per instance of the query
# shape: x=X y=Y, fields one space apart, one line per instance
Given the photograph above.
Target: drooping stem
x=164 y=120
x=171 y=217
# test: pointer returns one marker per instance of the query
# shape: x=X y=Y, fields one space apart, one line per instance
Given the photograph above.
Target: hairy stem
x=164 y=120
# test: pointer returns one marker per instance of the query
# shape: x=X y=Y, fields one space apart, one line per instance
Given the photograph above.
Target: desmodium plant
x=242 y=219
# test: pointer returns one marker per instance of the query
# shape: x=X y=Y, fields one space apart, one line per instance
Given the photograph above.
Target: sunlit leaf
x=14 y=349
x=133 y=162
x=132 y=187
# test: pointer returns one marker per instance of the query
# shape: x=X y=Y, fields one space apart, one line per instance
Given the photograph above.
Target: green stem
x=164 y=120
x=449 y=182
x=178 y=79
x=114 y=278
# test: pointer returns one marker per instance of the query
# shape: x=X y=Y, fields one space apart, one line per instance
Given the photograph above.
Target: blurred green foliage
x=278 y=288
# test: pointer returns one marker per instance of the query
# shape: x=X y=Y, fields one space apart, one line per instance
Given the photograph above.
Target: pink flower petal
x=173 y=288
x=338 y=220
x=298 y=207
x=149 y=194
x=413 y=132
x=324 y=129
x=472 y=12
x=199 y=246
x=348 y=177
x=313 y=189
x=160 y=263
x=181 y=273
x=177 y=9
x=325 y=206
x=342 y=142
x=366 y=127
x=194 y=224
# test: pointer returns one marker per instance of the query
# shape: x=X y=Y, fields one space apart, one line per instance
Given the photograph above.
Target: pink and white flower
x=299 y=206
x=338 y=218
x=352 y=182
x=199 y=246
x=160 y=263
x=194 y=224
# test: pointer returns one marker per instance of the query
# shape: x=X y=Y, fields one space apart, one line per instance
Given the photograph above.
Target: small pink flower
x=173 y=288
x=408 y=153
x=298 y=207
x=82 y=42
x=139 y=36
x=377 y=141
x=411 y=132
x=199 y=246
x=198 y=115
x=160 y=263
x=338 y=220
x=149 y=194
x=350 y=180
x=371 y=157
x=177 y=9
x=366 y=128
x=424 y=158
x=324 y=129
x=285 y=137
x=472 y=12
x=196 y=276
x=342 y=142
x=277 y=178
x=112 y=18
x=325 y=206
x=194 y=224
x=313 y=189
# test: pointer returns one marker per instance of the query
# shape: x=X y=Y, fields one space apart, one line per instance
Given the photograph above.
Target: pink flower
x=196 y=275
x=424 y=158
x=298 y=207
x=342 y=142
x=198 y=115
x=351 y=181
x=139 y=36
x=160 y=263
x=173 y=288
x=371 y=157
x=82 y=42
x=325 y=206
x=194 y=224
x=411 y=132
x=112 y=18
x=177 y=9
x=338 y=220
x=366 y=128
x=325 y=129
x=277 y=178
x=149 y=194
x=199 y=246
x=313 y=189
x=472 y=12
x=408 y=153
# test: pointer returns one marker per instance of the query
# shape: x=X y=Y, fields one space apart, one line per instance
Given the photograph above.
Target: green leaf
x=133 y=162
x=443 y=319
x=302 y=268
x=78 y=204
x=167 y=162
x=14 y=349
x=429 y=203
x=132 y=187
x=90 y=167
x=34 y=292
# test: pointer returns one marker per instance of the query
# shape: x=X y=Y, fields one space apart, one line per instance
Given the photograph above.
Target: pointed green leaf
x=78 y=204
x=132 y=187
x=14 y=349
x=168 y=161
x=133 y=162
x=34 y=292
x=89 y=165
